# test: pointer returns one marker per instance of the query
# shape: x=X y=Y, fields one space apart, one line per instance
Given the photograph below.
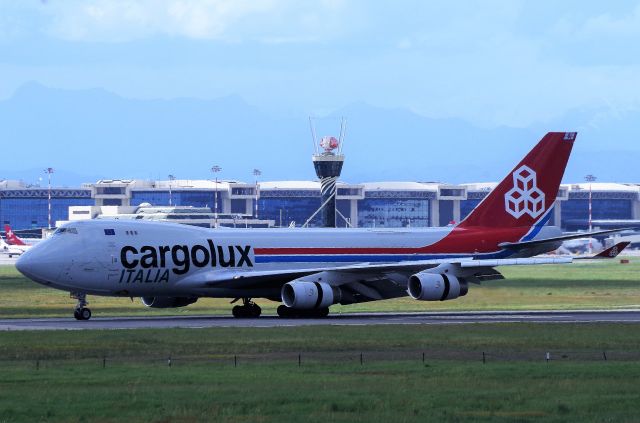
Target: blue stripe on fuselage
x=378 y=258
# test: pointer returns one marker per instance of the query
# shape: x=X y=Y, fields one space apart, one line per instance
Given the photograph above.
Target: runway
x=351 y=319
x=5 y=260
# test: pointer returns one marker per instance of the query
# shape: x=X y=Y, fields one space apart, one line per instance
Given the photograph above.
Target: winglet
x=611 y=252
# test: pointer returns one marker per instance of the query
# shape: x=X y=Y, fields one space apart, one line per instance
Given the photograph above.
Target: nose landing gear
x=81 y=311
x=247 y=309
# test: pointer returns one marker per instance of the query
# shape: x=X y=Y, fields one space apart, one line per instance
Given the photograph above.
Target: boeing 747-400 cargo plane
x=308 y=270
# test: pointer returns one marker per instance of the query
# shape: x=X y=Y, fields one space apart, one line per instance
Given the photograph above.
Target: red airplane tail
x=612 y=252
x=12 y=238
x=528 y=192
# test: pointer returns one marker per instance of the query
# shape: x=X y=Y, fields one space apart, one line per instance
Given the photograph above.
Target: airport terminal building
x=295 y=203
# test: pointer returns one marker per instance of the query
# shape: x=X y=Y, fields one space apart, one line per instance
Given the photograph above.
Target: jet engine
x=309 y=295
x=168 y=302
x=426 y=286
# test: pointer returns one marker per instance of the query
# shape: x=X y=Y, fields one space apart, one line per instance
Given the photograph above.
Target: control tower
x=327 y=161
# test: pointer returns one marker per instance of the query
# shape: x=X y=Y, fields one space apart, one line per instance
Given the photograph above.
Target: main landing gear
x=247 y=309
x=287 y=312
x=81 y=311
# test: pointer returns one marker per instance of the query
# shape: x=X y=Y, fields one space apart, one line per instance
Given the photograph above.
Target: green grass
x=70 y=384
x=393 y=384
x=214 y=342
x=387 y=391
x=593 y=285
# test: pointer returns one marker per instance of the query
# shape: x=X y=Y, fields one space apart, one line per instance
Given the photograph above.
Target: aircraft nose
x=37 y=267
x=24 y=262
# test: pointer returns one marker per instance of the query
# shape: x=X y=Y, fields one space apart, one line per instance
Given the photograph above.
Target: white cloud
x=257 y=20
x=492 y=62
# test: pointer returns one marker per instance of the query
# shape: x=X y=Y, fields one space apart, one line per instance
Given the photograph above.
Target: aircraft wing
x=523 y=245
x=372 y=275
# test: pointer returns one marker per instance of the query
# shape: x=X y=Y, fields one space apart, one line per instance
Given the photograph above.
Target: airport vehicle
x=308 y=270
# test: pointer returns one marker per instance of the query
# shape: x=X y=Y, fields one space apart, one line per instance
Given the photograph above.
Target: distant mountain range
x=91 y=134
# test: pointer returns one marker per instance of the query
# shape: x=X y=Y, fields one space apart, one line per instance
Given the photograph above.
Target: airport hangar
x=292 y=203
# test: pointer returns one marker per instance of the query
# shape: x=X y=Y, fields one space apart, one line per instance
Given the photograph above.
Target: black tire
x=76 y=314
x=284 y=311
x=85 y=313
x=255 y=310
x=237 y=312
x=322 y=313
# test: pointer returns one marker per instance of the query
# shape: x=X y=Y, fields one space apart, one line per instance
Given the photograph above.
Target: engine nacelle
x=426 y=286
x=168 y=302
x=309 y=295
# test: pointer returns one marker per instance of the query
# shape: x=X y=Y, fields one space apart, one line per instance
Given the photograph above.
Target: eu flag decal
x=109 y=231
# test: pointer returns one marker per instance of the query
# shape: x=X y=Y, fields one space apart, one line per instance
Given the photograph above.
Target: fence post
x=604 y=355
x=299 y=360
x=104 y=362
x=484 y=358
x=423 y=357
x=361 y=359
x=235 y=361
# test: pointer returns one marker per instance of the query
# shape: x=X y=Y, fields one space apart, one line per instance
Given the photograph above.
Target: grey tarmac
x=351 y=319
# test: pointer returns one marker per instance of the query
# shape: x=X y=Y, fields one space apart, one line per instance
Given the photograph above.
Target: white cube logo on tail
x=524 y=197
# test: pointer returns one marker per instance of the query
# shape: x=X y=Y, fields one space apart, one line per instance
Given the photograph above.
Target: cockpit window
x=61 y=231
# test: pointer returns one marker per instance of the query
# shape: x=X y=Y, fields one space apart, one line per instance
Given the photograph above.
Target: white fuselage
x=149 y=258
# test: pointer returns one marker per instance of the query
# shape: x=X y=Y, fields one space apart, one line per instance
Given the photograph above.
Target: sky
x=471 y=70
x=492 y=63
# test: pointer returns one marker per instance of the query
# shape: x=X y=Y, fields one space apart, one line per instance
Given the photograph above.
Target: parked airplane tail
x=526 y=196
x=12 y=238
x=612 y=252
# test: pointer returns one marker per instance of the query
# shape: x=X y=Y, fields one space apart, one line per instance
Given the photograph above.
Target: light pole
x=49 y=171
x=171 y=178
x=256 y=173
x=215 y=169
x=590 y=178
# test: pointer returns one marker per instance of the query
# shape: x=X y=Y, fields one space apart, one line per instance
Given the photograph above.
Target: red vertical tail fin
x=528 y=192
x=12 y=238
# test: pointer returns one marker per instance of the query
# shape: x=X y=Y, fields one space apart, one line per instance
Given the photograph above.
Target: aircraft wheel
x=85 y=313
x=76 y=314
x=284 y=311
x=323 y=312
x=255 y=310
x=237 y=312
